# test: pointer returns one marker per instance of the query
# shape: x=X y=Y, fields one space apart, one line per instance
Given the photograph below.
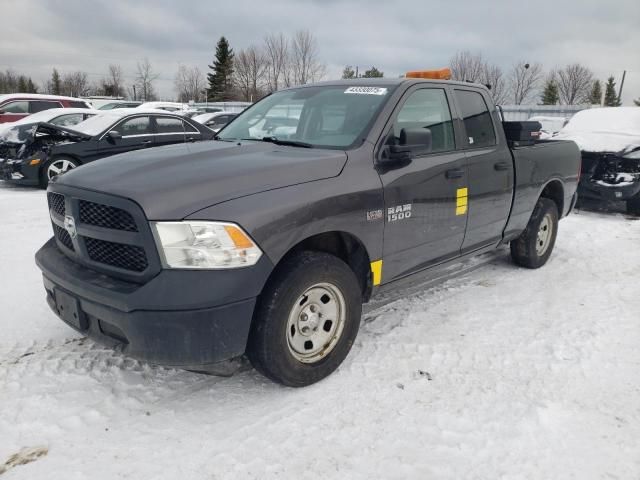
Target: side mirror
x=114 y=135
x=418 y=140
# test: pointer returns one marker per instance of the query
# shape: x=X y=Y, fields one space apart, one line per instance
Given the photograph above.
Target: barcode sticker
x=366 y=90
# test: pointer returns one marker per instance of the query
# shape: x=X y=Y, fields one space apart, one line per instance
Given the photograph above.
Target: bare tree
x=189 y=83
x=250 y=72
x=524 y=80
x=276 y=53
x=467 y=67
x=113 y=84
x=574 y=84
x=304 y=58
x=145 y=76
x=75 y=84
x=493 y=78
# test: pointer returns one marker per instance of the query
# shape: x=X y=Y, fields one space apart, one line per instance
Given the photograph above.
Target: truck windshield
x=318 y=116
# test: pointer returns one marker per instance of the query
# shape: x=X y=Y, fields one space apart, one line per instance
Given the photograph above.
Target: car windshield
x=97 y=124
x=319 y=116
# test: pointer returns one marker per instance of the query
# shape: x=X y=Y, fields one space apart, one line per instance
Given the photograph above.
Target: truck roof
x=373 y=82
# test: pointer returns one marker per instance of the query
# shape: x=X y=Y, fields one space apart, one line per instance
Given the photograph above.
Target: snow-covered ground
x=497 y=373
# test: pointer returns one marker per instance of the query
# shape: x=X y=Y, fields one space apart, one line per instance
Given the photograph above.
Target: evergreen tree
x=550 y=95
x=373 y=72
x=595 y=97
x=637 y=102
x=56 y=84
x=610 y=96
x=220 y=78
x=31 y=88
x=348 y=72
x=22 y=84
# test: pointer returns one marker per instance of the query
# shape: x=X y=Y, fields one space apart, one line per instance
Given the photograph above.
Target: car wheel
x=633 y=206
x=56 y=166
x=533 y=247
x=306 y=320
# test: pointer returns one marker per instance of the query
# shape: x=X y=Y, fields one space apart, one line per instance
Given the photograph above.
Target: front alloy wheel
x=59 y=166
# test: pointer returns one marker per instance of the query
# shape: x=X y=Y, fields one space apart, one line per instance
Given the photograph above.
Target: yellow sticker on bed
x=461 y=201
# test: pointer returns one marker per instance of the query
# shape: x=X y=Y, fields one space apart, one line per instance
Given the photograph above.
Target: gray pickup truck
x=267 y=240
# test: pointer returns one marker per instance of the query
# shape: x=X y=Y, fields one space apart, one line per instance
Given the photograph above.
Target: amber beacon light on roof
x=442 y=74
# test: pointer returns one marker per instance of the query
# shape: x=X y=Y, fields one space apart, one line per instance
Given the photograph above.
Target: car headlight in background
x=198 y=244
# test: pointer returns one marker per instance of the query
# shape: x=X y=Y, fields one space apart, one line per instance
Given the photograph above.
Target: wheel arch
x=554 y=190
x=344 y=245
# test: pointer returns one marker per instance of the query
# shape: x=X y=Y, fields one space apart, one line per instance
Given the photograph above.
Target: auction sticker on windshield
x=367 y=90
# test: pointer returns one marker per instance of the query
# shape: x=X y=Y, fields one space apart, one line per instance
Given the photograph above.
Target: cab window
x=427 y=108
x=135 y=126
x=477 y=119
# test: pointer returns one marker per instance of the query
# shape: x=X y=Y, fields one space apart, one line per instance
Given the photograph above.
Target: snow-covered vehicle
x=216 y=120
x=609 y=139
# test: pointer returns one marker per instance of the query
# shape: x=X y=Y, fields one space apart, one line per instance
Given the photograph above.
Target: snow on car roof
x=106 y=118
x=39 y=96
x=47 y=115
x=610 y=129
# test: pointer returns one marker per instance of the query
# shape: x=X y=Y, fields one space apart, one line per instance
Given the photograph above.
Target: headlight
x=211 y=245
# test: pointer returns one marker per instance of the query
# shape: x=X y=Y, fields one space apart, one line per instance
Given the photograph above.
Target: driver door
x=137 y=133
x=425 y=196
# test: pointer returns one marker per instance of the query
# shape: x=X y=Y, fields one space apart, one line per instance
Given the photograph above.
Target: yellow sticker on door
x=461 y=200
x=376 y=270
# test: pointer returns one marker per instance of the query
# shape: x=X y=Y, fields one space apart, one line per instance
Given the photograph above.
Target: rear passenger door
x=490 y=167
x=425 y=202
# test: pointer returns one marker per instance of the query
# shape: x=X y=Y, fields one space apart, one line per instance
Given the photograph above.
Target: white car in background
x=166 y=106
x=550 y=125
x=216 y=120
x=63 y=117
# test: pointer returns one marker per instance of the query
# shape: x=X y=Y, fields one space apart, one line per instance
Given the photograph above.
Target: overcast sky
x=87 y=35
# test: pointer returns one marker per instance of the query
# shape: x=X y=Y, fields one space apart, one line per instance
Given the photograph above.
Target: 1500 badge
x=400 y=212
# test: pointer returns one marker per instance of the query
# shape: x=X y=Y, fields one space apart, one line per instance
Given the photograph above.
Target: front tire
x=306 y=320
x=54 y=167
x=533 y=247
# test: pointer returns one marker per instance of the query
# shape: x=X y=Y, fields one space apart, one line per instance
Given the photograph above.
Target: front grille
x=106 y=216
x=56 y=203
x=127 y=257
x=63 y=237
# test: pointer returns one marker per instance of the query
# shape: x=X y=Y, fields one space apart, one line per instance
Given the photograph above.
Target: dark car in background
x=216 y=120
x=45 y=150
x=609 y=139
x=16 y=106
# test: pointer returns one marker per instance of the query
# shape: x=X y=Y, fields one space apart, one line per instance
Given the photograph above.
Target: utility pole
x=134 y=93
x=624 y=74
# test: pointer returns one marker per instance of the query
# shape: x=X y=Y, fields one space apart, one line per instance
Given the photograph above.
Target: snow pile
x=611 y=129
x=501 y=373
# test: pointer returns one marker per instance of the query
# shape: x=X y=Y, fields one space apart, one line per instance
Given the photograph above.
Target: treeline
x=528 y=83
x=11 y=82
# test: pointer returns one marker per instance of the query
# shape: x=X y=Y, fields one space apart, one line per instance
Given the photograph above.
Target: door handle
x=147 y=142
x=454 y=173
x=501 y=166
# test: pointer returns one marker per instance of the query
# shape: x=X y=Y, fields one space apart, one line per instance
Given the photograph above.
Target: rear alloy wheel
x=57 y=166
x=306 y=320
x=533 y=247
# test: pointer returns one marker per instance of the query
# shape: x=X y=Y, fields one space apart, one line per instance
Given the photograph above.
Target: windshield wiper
x=292 y=143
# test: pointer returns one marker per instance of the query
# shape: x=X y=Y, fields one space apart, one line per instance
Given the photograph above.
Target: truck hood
x=172 y=182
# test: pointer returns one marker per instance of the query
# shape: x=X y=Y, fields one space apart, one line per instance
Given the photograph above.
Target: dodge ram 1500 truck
x=267 y=240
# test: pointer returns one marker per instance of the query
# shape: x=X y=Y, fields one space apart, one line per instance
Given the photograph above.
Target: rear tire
x=533 y=247
x=633 y=206
x=306 y=320
x=54 y=167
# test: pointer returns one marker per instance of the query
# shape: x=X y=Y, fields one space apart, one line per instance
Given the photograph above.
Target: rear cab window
x=478 y=124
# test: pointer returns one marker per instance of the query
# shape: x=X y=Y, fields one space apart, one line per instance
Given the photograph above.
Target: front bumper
x=594 y=191
x=182 y=318
x=16 y=171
